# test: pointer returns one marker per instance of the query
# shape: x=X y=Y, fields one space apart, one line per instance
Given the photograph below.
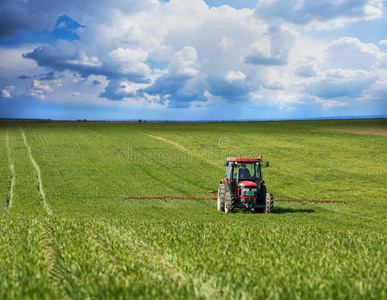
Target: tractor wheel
x=269 y=203
x=221 y=197
x=228 y=203
x=261 y=199
x=262 y=194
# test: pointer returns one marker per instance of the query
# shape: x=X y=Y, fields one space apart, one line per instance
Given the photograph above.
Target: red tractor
x=243 y=186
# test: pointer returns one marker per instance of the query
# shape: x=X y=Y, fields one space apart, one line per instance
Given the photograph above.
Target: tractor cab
x=245 y=171
x=243 y=186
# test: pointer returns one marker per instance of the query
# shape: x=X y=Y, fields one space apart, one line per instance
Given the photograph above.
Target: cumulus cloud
x=231 y=76
x=309 y=69
x=118 y=89
x=226 y=43
x=352 y=53
x=68 y=55
x=272 y=49
x=6 y=92
x=128 y=55
x=64 y=55
x=182 y=54
x=181 y=83
x=319 y=13
x=350 y=70
x=341 y=83
x=377 y=91
x=38 y=89
x=237 y=90
x=191 y=39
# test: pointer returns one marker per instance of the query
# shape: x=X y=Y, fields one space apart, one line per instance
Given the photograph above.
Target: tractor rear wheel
x=221 y=197
x=228 y=203
x=269 y=203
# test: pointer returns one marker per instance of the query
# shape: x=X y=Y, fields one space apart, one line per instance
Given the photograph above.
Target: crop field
x=67 y=232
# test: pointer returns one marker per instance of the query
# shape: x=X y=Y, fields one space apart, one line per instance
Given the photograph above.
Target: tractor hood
x=247 y=183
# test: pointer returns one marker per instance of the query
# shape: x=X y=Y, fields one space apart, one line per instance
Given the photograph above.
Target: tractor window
x=229 y=172
x=247 y=171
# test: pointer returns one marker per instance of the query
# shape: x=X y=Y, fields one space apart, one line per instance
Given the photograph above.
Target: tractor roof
x=244 y=160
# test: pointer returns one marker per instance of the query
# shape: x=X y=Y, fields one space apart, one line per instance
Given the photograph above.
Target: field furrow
x=192 y=154
x=12 y=176
x=25 y=265
x=39 y=183
x=26 y=196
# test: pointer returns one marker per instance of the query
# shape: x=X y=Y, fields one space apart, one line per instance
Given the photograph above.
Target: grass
x=96 y=245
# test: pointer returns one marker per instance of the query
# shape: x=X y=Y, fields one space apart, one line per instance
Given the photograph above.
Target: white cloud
x=352 y=53
x=226 y=43
x=273 y=48
x=38 y=89
x=184 y=61
x=180 y=53
x=84 y=60
x=318 y=14
x=231 y=76
x=128 y=55
x=6 y=92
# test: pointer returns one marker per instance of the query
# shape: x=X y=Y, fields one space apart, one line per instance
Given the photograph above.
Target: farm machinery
x=242 y=187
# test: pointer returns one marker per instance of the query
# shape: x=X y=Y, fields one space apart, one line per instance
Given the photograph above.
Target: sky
x=192 y=59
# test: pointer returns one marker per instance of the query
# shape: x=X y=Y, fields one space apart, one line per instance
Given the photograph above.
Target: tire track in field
x=12 y=176
x=149 y=174
x=180 y=147
x=47 y=249
x=39 y=183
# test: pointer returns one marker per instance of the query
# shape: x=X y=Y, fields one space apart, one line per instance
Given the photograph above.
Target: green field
x=67 y=232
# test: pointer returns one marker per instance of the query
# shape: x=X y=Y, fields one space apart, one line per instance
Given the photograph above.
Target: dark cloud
x=166 y=85
x=115 y=91
x=307 y=71
x=331 y=89
x=36 y=15
x=68 y=55
x=180 y=90
x=238 y=90
x=24 y=77
x=260 y=59
x=48 y=76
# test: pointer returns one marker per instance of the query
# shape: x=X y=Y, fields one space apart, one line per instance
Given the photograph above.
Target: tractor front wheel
x=228 y=203
x=221 y=197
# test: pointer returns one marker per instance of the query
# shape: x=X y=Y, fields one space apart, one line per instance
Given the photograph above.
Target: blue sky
x=192 y=60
